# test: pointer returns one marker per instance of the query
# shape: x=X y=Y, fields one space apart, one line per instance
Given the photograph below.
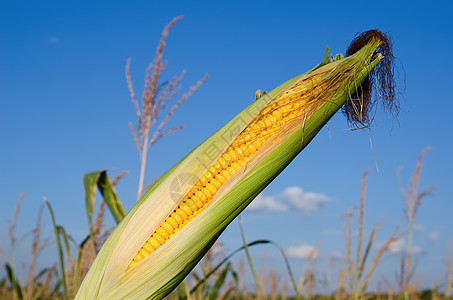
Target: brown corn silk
x=379 y=86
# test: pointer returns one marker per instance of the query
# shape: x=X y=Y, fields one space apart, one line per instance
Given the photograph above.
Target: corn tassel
x=135 y=263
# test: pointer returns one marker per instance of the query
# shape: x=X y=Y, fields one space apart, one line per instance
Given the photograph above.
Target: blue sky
x=65 y=109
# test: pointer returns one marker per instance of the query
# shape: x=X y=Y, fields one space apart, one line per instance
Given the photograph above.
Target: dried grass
x=412 y=200
x=307 y=282
x=449 y=283
x=358 y=278
x=156 y=98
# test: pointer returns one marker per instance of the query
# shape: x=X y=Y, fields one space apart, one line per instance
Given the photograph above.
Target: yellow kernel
x=216 y=183
x=282 y=102
x=192 y=205
x=197 y=202
x=195 y=189
x=144 y=253
x=177 y=218
x=260 y=142
x=227 y=158
x=207 y=193
x=153 y=242
x=148 y=247
x=162 y=233
x=182 y=214
x=225 y=174
x=211 y=188
x=208 y=176
x=223 y=164
x=201 y=196
x=287 y=107
x=256 y=127
x=217 y=166
x=133 y=263
x=213 y=171
x=291 y=116
x=203 y=181
x=221 y=179
x=239 y=153
x=167 y=227
x=138 y=257
x=231 y=170
x=233 y=156
x=272 y=119
x=159 y=238
x=277 y=114
x=252 y=148
x=245 y=150
x=186 y=209
x=235 y=166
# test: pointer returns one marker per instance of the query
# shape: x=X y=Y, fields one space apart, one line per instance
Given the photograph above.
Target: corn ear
x=112 y=276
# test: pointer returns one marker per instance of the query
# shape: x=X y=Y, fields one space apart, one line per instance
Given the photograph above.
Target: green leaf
x=101 y=180
x=110 y=198
x=226 y=259
x=64 y=274
x=77 y=267
x=14 y=282
x=62 y=231
x=89 y=182
x=41 y=274
x=55 y=293
x=219 y=282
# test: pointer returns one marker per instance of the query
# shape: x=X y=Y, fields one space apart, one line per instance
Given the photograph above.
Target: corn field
x=166 y=245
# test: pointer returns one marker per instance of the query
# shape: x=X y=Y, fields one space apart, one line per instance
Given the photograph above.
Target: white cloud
x=302 y=251
x=336 y=255
x=434 y=236
x=400 y=246
x=308 y=202
x=266 y=203
x=397 y=246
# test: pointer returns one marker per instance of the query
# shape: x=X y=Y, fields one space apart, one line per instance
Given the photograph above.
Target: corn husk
x=158 y=274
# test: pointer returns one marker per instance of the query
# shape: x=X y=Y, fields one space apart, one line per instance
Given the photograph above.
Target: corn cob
x=280 y=111
x=162 y=238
